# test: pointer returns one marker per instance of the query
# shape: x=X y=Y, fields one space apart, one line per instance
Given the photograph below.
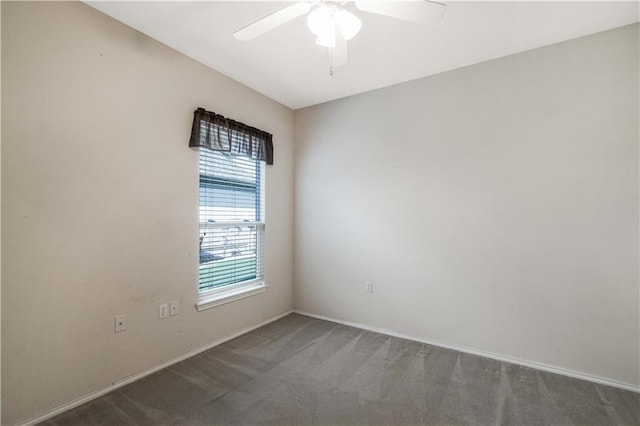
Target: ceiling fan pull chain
x=330 y=62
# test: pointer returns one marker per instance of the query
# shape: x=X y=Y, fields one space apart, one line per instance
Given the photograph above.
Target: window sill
x=222 y=296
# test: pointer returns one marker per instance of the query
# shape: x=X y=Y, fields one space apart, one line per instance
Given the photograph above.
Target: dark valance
x=215 y=132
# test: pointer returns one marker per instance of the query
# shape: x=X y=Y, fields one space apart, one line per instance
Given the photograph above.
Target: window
x=231 y=227
x=232 y=157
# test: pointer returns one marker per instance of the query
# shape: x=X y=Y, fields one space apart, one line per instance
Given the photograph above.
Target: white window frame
x=229 y=293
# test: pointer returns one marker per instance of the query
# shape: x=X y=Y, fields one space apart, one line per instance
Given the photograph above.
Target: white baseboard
x=498 y=357
x=120 y=383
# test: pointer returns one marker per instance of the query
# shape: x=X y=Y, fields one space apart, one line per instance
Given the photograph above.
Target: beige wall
x=100 y=203
x=494 y=207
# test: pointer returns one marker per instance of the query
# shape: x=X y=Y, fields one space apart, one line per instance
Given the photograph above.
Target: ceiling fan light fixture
x=348 y=23
x=320 y=20
x=328 y=37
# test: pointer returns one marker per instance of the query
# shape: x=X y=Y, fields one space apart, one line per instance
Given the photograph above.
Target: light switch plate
x=163 y=311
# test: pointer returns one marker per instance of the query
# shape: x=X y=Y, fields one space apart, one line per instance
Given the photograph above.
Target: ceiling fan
x=333 y=24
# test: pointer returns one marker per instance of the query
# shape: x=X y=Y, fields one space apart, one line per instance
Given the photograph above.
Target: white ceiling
x=287 y=66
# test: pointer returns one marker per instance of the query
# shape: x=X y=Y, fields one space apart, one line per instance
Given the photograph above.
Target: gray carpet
x=300 y=370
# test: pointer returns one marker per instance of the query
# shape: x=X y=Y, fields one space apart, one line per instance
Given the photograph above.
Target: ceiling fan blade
x=339 y=54
x=420 y=11
x=272 y=21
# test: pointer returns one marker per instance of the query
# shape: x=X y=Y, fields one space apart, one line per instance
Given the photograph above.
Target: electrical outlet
x=120 y=323
x=163 y=311
x=174 y=308
x=368 y=286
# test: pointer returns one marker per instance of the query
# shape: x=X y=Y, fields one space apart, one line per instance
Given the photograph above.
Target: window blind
x=231 y=219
